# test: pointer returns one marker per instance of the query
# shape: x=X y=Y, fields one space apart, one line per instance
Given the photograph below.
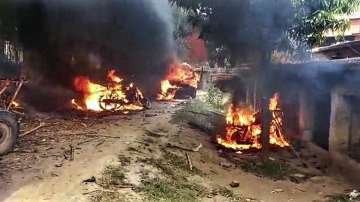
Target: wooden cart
x=9 y=127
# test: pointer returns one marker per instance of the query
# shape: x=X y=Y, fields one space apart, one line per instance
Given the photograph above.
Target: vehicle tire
x=9 y=130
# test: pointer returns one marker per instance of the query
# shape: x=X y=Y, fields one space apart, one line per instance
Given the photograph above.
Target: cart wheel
x=9 y=130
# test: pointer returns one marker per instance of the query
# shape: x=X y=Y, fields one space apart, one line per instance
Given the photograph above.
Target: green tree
x=311 y=19
x=315 y=17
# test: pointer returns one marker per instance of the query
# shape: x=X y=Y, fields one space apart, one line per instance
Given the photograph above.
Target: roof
x=346 y=62
x=347 y=44
x=336 y=67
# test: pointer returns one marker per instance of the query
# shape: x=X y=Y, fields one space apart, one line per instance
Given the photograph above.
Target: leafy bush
x=215 y=98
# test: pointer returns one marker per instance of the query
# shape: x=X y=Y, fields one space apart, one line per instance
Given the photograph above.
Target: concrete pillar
x=204 y=80
x=306 y=115
x=340 y=122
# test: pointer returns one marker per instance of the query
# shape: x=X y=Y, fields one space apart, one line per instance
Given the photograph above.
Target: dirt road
x=41 y=168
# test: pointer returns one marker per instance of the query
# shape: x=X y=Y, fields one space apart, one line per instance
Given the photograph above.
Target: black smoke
x=68 y=38
x=249 y=29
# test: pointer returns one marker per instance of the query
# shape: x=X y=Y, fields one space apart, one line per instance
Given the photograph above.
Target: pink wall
x=355 y=26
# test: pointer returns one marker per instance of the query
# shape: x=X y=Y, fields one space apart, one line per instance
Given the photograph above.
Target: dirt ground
x=41 y=167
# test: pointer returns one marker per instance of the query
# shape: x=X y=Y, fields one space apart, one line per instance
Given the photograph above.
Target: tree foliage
x=311 y=18
x=316 y=17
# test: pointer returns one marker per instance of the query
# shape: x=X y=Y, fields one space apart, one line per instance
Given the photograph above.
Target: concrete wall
x=306 y=115
x=340 y=122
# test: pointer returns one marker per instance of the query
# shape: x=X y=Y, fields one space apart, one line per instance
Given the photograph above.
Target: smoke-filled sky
x=248 y=27
x=68 y=38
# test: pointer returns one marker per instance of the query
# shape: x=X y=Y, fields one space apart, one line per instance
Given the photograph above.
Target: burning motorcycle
x=113 y=99
x=117 y=95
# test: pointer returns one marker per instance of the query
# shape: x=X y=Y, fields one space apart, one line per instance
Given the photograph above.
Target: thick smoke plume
x=249 y=29
x=65 y=39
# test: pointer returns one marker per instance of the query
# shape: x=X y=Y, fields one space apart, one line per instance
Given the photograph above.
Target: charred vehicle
x=9 y=89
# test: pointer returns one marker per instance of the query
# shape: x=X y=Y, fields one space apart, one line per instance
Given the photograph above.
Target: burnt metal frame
x=6 y=84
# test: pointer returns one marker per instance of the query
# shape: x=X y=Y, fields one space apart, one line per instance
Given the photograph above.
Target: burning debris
x=243 y=127
x=179 y=78
x=115 y=96
x=7 y=99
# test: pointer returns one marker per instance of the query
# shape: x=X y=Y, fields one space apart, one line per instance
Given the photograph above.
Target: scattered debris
x=225 y=164
x=234 y=184
x=297 y=177
x=150 y=115
x=92 y=179
x=154 y=134
x=189 y=161
x=69 y=154
x=196 y=149
x=33 y=130
x=297 y=188
x=275 y=191
x=54 y=174
x=100 y=143
x=92 y=134
x=72 y=153
x=355 y=194
x=272 y=158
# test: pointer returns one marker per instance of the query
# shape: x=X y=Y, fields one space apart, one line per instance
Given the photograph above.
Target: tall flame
x=179 y=75
x=243 y=129
x=276 y=133
x=115 y=96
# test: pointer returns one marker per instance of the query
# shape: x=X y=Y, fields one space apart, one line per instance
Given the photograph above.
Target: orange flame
x=15 y=104
x=243 y=130
x=178 y=75
x=276 y=133
x=113 y=97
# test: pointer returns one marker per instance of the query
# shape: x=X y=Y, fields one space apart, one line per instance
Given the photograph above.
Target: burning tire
x=9 y=130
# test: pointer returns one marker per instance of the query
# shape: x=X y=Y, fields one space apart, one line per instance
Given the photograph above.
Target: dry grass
x=271 y=169
x=113 y=176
